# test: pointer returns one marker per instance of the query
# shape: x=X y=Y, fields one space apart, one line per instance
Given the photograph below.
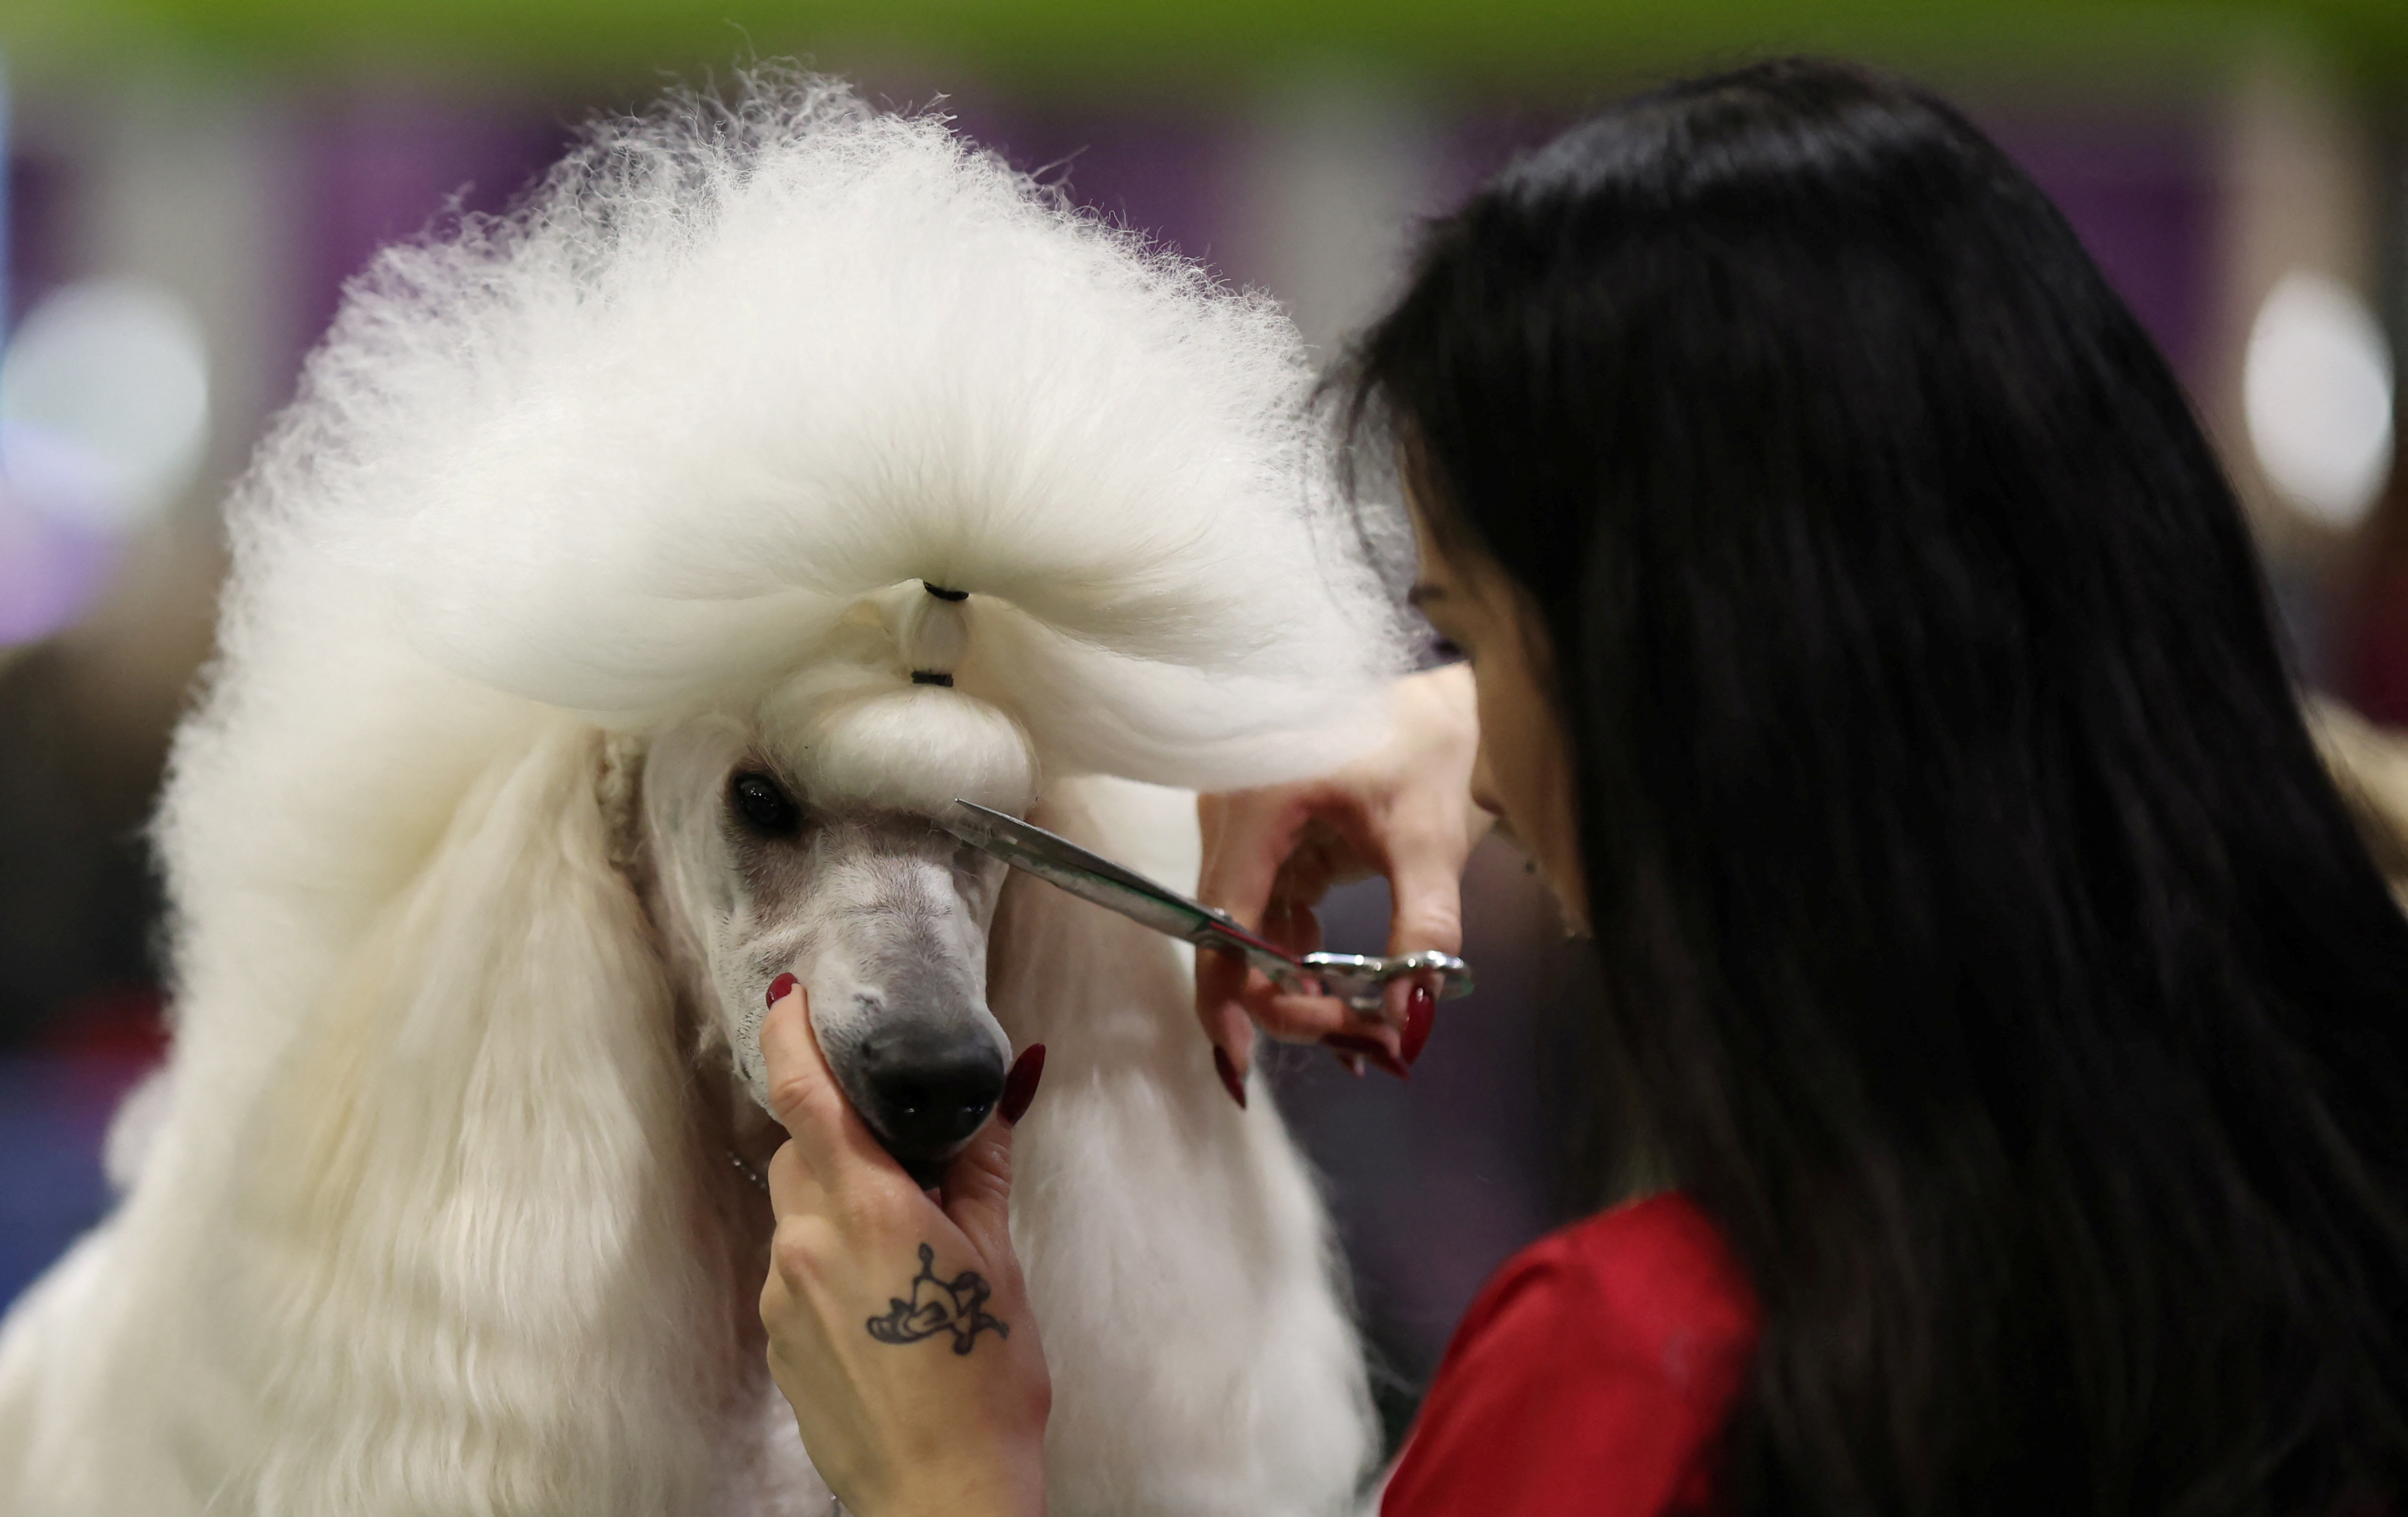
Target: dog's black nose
x=930 y=1101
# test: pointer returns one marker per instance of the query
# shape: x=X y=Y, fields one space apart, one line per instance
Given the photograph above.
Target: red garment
x=1592 y=1377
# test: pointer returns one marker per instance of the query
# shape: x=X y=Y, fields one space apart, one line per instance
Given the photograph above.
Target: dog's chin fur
x=437 y=1216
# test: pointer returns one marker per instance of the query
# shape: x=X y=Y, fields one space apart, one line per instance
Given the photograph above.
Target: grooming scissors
x=1356 y=979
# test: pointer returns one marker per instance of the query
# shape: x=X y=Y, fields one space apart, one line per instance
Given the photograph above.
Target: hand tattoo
x=938 y=1306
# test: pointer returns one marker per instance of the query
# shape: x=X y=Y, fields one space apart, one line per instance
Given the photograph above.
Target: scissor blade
x=1091 y=877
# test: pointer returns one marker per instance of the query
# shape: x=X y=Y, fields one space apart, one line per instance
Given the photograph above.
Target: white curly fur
x=435 y=1218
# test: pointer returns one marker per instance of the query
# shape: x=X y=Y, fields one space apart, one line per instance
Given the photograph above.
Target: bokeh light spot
x=104 y=416
x=2317 y=387
x=104 y=404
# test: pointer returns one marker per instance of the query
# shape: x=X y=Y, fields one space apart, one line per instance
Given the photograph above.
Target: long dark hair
x=1985 y=948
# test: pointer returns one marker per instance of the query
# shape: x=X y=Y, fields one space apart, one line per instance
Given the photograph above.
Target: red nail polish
x=1421 y=1015
x=1230 y=1080
x=1351 y=1063
x=779 y=987
x=1020 y=1086
x=1370 y=1049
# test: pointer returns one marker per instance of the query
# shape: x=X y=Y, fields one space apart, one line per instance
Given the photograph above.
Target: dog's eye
x=763 y=806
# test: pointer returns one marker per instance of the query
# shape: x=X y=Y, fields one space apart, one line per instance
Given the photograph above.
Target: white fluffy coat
x=437 y=1217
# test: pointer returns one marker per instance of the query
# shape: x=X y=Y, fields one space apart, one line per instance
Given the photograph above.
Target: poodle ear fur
x=1175 y=1249
x=486 y=1125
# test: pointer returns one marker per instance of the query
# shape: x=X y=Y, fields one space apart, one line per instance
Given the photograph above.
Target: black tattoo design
x=957 y=1306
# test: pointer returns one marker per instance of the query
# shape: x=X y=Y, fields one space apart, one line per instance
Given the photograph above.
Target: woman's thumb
x=978 y=1183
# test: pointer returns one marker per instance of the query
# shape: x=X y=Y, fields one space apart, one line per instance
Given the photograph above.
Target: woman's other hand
x=1404 y=812
x=899 y=1324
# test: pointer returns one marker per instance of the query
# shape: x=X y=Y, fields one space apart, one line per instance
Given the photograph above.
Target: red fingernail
x=1370 y=1048
x=779 y=987
x=1020 y=1086
x=1230 y=1080
x=1351 y=1063
x=1421 y=1015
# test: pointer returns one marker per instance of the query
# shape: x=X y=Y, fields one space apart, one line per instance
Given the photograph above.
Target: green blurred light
x=1076 y=45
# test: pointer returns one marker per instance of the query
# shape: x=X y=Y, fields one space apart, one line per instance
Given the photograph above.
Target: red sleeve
x=1591 y=1379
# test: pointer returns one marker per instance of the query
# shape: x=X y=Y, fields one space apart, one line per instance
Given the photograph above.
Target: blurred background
x=190 y=182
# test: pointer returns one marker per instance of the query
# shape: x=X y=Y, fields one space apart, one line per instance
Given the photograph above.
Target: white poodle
x=634 y=575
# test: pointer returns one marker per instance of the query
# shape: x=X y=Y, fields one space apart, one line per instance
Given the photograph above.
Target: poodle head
x=792 y=836
x=836 y=470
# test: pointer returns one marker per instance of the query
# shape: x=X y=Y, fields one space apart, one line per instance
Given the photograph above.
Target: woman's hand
x=899 y=1327
x=1271 y=854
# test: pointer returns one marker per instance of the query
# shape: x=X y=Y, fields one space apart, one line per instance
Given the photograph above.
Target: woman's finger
x=793 y=1186
x=1269 y=855
x=1293 y=1018
x=976 y=1192
x=1221 y=1006
x=1426 y=880
x=830 y=1139
x=1248 y=836
x=1292 y=925
x=977 y=1187
x=1426 y=886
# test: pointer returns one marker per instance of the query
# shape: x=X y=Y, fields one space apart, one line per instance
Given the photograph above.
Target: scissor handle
x=1356 y=979
x=1360 y=979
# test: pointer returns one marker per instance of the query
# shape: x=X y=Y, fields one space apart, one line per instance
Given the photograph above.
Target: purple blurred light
x=51 y=571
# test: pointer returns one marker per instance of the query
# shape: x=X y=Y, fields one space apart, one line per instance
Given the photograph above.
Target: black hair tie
x=942 y=593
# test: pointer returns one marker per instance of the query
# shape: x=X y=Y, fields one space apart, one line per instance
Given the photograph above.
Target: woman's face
x=1524 y=775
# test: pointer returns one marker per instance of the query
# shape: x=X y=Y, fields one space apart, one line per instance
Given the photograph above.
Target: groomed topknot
x=739 y=364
